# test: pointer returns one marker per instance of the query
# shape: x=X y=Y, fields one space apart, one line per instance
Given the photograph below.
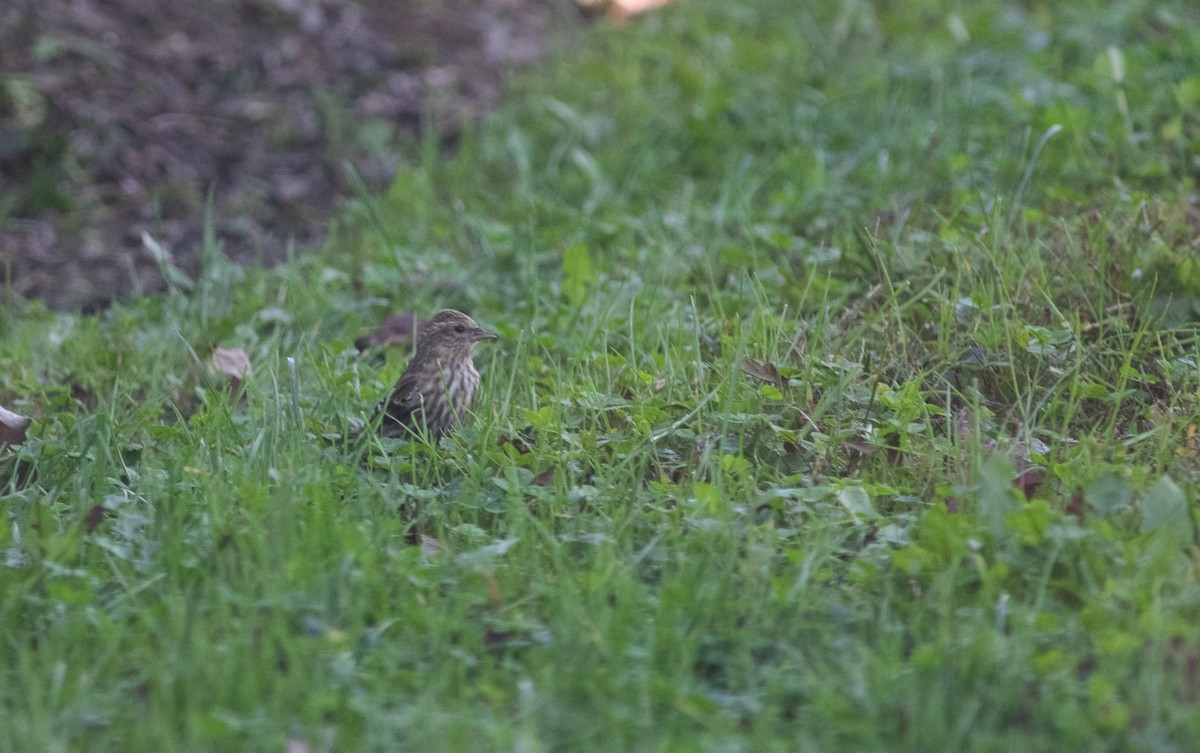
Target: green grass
x=966 y=235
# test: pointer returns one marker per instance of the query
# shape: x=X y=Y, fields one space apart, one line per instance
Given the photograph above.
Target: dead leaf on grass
x=861 y=445
x=891 y=446
x=620 y=10
x=522 y=441
x=1029 y=481
x=493 y=637
x=1075 y=505
x=12 y=427
x=764 y=371
x=232 y=363
x=93 y=519
x=854 y=311
x=1029 y=476
x=545 y=478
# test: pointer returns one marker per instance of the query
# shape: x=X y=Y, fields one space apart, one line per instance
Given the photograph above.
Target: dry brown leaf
x=764 y=371
x=93 y=519
x=398 y=331
x=1029 y=477
x=1021 y=452
x=861 y=445
x=231 y=362
x=619 y=10
x=854 y=311
x=492 y=637
x=891 y=447
x=1113 y=310
x=12 y=427
x=1029 y=481
x=1075 y=505
x=545 y=478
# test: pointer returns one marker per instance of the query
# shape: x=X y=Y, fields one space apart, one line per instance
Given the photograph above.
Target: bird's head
x=450 y=335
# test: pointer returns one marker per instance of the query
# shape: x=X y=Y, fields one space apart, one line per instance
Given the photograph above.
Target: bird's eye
x=460 y=329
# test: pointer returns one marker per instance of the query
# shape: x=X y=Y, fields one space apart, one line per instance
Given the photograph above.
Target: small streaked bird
x=434 y=392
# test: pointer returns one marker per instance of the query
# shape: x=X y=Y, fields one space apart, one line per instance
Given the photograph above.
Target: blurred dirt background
x=119 y=117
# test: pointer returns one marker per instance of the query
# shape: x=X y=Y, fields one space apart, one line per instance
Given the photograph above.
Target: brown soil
x=119 y=117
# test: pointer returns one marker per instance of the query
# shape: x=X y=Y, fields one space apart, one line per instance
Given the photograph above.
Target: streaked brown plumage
x=436 y=388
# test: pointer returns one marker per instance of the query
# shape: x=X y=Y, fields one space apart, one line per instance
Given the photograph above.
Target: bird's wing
x=401 y=408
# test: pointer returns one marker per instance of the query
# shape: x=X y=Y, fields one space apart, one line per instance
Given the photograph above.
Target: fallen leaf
x=1116 y=308
x=544 y=478
x=1029 y=477
x=1075 y=505
x=619 y=10
x=861 y=445
x=93 y=519
x=854 y=311
x=764 y=371
x=12 y=427
x=522 y=441
x=891 y=444
x=85 y=397
x=397 y=331
x=1029 y=481
x=497 y=637
x=858 y=447
x=1021 y=452
x=230 y=362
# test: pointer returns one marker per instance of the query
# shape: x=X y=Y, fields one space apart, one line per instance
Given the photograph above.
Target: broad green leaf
x=1031 y=522
x=996 y=495
x=770 y=392
x=1108 y=493
x=1164 y=505
x=1187 y=92
x=857 y=502
x=577 y=273
x=707 y=496
x=70 y=591
x=485 y=554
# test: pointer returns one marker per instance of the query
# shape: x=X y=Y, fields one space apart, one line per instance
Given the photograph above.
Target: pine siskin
x=436 y=388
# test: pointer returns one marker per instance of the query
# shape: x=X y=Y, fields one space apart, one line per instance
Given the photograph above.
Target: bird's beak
x=483 y=334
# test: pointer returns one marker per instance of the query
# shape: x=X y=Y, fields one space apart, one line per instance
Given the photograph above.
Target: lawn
x=847 y=400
